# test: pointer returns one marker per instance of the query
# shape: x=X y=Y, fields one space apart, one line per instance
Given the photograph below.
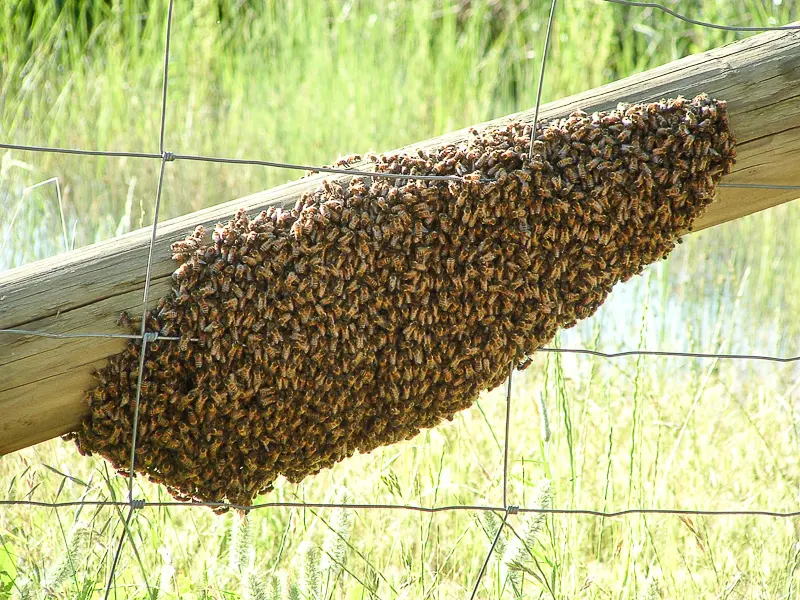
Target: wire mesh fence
x=505 y=509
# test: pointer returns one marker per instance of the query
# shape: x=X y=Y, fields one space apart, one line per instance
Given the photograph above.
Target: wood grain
x=42 y=380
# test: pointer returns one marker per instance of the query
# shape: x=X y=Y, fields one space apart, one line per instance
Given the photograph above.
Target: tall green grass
x=305 y=81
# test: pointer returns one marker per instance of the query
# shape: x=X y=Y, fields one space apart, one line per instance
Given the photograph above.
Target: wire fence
x=506 y=508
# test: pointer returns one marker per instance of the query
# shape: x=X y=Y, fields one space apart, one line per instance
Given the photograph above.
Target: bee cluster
x=377 y=307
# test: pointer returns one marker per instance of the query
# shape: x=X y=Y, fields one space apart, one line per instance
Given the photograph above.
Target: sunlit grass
x=305 y=82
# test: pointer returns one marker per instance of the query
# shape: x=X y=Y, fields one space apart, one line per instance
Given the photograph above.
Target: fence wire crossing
x=506 y=509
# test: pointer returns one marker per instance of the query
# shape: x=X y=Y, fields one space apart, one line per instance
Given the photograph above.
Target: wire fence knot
x=150 y=336
x=512 y=509
x=137 y=504
x=167 y=156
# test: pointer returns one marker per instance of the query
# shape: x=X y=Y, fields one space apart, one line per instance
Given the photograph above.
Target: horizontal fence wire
x=316 y=168
x=677 y=15
x=507 y=509
x=610 y=514
x=66 y=336
x=667 y=353
x=153 y=336
x=55 y=150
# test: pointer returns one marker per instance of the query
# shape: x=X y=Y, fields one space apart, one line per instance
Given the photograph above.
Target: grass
x=305 y=81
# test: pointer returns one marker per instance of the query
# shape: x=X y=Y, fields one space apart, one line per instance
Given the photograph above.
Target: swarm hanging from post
x=378 y=307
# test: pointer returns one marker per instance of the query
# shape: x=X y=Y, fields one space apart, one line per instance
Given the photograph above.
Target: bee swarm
x=378 y=307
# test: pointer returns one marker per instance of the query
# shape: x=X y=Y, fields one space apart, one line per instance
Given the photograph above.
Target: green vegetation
x=308 y=80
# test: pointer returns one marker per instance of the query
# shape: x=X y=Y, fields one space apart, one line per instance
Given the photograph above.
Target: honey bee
x=565 y=162
x=617 y=177
x=124 y=320
x=209 y=289
x=240 y=271
x=237 y=291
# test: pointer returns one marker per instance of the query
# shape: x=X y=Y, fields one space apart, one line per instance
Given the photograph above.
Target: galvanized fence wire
x=170 y=157
x=154 y=336
x=506 y=509
x=706 y=24
x=140 y=504
x=165 y=156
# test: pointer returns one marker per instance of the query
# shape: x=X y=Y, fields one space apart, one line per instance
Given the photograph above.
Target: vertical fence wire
x=165 y=156
x=509 y=389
